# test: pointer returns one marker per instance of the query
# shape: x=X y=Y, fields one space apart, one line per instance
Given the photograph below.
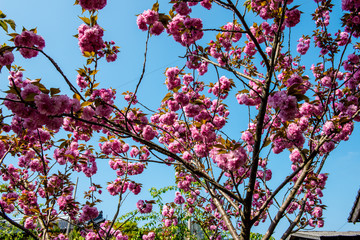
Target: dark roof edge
x=355 y=211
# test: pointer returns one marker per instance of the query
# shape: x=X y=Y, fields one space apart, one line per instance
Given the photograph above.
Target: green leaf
x=218 y=146
x=93 y=19
x=54 y=91
x=267 y=142
x=5 y=49
x=85 y=20
x=301 y=97
x=77 y=96
x=4 y=25
x=164 y=19
x=11 y=23
x=167 y=96
x=2 y=15
x=156 y=7
x=243 y=91
x=88 y=54
x=84 y=104
x=69 y=156
x=30 y=97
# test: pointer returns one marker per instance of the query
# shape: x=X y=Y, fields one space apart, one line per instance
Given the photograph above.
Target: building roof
x=324 y=235
x=355 y=211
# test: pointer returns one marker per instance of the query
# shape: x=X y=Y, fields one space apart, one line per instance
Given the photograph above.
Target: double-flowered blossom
x=178 y=198
x=350 y=5
x=303 y=46
x=48 y=111
x=182 y=8
x=7 y=58
x=149 y=19
x=230 y=161
x=90 y=38
x=287 y=105
x=169 y=216
x=27 y=40
x=292 y=18
x=30 y=223
x=172 y=80
x=149 y=236
x=88 y=213
x=234 y=31
x=222 y=87
x=144 y=206
x=7 y=200
x=185 y=30
x=343 y=38
x=92 y=4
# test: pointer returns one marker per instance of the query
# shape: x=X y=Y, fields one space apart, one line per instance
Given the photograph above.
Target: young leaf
x=156 y=7
x=11 y=23
x=4 y=25
x=54 y=91
x=85 y=20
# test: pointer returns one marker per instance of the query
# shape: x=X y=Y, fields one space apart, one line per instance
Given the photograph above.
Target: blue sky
x=57 y=22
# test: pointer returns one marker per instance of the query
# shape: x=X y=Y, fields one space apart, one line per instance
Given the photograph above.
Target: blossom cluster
x=48 y=111
x=28 y=40
x=90 y=38
x=92 y=4
x=7 y=58
x=144 y=207
x=169 y=217
x=185 y=30
x=149 y=19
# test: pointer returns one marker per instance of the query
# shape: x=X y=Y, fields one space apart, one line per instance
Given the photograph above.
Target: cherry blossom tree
x=295 y=107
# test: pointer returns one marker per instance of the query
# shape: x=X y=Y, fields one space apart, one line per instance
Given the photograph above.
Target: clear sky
x=57 y=22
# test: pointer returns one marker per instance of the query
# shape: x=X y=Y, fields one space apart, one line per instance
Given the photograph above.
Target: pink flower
x=30 y=223
x=90 y=38
x=250 y=48
x=150 y=16
x=292 y=18
x=328 y=128
x=303 y=46
x=294 y=134
x=344 y=37
x=144 y=207
x=231 y=27
x=206 y=4
x=350 y=5
x=141 y=22
x=157 y=28
x=185 y=30
x=178 y=198
x=320 y=223
x=327 y=147
x=31 y=40
x=92 y=4
x=286 y=104
x=182 y=8
x=88 y=213
x=167 y=222
x=7 y=58
x=111 y=57
x=191 y=110
x=149 y=236
x=317 y=212
x=81 y=82
x=148 y=133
